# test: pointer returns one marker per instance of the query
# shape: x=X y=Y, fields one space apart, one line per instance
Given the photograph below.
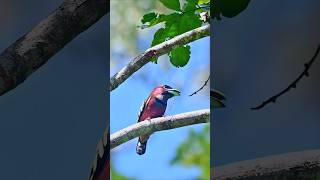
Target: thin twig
x=293 y=84
x=205 y=83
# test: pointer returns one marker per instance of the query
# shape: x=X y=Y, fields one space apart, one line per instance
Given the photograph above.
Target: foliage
x=186 y=18
x=115 y=175
x=195 y=152
x=183 y=19
x=228 y=8
x=123 y=31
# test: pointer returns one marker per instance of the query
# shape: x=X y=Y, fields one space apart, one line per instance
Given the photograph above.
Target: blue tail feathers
x=141 y=147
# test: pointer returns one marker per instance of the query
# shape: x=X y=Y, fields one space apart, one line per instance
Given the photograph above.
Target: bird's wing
x=143 y=107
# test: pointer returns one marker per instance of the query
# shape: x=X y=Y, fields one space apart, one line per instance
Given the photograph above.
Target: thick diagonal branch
x=297 y=165
x=159 y=124
x=34 y=49
x=157 y=51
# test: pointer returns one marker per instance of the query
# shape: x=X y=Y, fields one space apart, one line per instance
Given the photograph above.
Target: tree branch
x=159 y=124
x=34 y=49
x=157 y=51
x=297 y=165
x=205 y=83
x=292 y=85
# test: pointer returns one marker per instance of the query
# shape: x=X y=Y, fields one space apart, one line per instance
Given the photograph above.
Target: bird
x=154 y=106
x=216 y=98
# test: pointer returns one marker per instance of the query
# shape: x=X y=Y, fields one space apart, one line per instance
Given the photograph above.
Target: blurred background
x=254 y=56
x=50 y=124
x=182 y=153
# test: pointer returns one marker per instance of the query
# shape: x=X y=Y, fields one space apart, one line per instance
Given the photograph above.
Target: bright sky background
x=127 y=99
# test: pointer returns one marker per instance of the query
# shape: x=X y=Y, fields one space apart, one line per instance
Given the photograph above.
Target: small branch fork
x=293 y=85
x=205 y=83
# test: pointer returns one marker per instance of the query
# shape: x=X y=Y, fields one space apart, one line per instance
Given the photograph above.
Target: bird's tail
x=141 y=147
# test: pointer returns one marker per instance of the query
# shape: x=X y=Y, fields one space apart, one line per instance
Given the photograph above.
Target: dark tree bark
x=298 y=165
x=35 y=48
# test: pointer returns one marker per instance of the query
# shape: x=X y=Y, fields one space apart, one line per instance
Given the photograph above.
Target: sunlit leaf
x=171 y=4
x=203 y=2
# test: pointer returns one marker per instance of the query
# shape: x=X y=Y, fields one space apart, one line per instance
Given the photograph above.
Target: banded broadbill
x=154 y=106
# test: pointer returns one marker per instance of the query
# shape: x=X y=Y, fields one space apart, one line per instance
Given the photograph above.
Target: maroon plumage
x=154 y=106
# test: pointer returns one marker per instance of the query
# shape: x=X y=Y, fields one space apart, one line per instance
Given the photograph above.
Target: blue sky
x=127 y=99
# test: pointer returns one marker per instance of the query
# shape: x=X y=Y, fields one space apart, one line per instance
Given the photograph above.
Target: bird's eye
x=166 y=87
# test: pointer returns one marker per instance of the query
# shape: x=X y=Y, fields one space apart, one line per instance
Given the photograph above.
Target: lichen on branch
x=159 y=124
x=156 y=51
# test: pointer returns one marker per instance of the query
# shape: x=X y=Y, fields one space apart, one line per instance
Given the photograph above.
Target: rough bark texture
x=157 y=51
x=297 y=165
x=159 y=124
x=34 y=49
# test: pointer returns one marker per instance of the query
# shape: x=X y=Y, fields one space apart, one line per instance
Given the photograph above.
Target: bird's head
x=164 y=92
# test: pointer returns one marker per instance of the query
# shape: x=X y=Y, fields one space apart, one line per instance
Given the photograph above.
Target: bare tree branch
x=157 y=51
x=297 y=165
x=34 y=49
x=292 y=85
x=159 y=124
x=205 y=83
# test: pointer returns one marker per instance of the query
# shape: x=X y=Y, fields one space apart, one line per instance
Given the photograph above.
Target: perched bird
x=216 y=99
x=154 y=106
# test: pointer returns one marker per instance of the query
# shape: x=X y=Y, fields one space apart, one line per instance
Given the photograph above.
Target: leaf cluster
x=195 y=152
x=183 y=18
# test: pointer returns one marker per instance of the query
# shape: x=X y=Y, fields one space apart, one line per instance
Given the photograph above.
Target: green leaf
x=154 y=60
x=159 y=37
x=148 y=17
x=171 y=4
x=118 y=176
x=231 y=8
x=170 y=30
x=195 y=152
x=188 y=22
x=190 y=5
x=203 y=2
x=180 y=56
